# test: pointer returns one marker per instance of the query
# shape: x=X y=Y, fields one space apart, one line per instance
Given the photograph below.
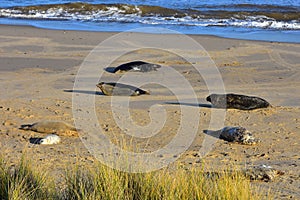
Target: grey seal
x=238 y=134
x=253 y=173
x=119 y=89
x=57 y=127
x=262 y=173
x=136 y=66
x=237 y=101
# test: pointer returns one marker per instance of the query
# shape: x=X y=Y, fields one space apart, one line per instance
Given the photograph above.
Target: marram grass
x=22 y=182
x=103 y=183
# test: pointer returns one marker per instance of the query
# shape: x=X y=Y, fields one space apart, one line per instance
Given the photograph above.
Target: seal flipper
x=74 y=129
x=208 y=99
x=26 y=127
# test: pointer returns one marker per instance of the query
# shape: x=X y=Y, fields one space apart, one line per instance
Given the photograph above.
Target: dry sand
x=38 y=68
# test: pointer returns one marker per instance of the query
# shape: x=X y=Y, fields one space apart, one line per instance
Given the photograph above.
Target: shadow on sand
x=215 y=134
x=110 y=69
x=190 y=104
x=85 y=92
x=35 y=140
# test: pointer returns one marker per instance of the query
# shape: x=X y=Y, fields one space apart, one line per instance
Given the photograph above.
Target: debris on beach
x=136 y=66
x=119 y=89
x=237 y=101
x=50 y=139
x=238 y=135
x=57 y=127
x=262 y=173
x=253 y=173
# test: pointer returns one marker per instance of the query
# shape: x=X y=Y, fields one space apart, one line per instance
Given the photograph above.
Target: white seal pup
x=50 y=139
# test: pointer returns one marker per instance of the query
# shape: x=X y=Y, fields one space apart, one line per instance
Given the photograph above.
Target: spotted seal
x=119 y=89
x=136 y=66
x=262 y=173
x=238 y=135
x=237 y=101
x=57 y=127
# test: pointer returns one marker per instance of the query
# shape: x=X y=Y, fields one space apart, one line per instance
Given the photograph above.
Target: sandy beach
x=38 y=69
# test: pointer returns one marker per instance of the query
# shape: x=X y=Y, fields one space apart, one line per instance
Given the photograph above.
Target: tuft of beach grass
x=104 y=183
x=23 y=182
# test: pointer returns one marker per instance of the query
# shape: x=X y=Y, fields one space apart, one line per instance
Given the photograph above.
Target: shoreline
x=238 y=36
x=5 y=26
x=39 y=67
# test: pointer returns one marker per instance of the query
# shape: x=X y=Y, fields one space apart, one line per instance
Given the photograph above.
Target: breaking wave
x=242 y=15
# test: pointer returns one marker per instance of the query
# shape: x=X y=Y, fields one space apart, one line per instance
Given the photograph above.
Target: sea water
x=243 y=19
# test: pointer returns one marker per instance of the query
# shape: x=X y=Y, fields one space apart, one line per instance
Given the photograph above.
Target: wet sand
x=38 y=69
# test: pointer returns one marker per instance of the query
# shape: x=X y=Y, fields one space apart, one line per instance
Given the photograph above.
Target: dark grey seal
x=237 y=101
x=238 y=134
x=119 y=89
x=136 y=66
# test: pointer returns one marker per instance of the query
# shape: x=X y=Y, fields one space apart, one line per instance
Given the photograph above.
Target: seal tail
x=72 y=128
x=99 y=84
x=147 y=92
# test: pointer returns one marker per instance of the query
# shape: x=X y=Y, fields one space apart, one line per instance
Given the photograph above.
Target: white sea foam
x=115 y=14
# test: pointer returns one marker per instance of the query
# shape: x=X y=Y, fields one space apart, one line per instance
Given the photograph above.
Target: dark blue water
x=249 y=19
x=162 y=3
